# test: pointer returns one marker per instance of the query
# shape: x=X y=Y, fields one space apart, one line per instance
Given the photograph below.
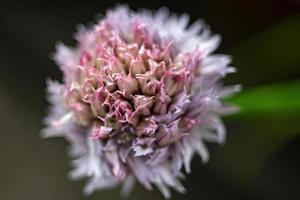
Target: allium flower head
x=141 y=93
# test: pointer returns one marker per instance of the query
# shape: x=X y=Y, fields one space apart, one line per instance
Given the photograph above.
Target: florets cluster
x=141 y=93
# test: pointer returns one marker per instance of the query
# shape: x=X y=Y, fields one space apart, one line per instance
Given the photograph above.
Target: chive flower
x=141 y=94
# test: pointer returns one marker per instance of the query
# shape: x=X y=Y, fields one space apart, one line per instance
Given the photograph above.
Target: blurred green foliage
x=269 y=100
x=268 y=65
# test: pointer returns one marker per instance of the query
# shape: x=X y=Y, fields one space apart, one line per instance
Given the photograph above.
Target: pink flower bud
x=170 y=133
x=174 y=83
x=73 y=94
x=81 y=112
x=146 y=127
x=158 y=69
x=98 y=101
x=148 y=85
x=100 y=132
x=143 y=104
x=137 y=66
x=162 y=101
x=127 y=85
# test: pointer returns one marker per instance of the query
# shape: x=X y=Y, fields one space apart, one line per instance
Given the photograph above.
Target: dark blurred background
x=261 y=157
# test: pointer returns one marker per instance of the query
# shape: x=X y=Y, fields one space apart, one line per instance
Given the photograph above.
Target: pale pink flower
x=141 y=93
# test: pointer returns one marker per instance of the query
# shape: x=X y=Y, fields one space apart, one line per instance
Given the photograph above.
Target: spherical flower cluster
x=140 y=95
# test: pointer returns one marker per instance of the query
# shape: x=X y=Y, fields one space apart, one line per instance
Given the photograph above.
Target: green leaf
x=279 y=98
